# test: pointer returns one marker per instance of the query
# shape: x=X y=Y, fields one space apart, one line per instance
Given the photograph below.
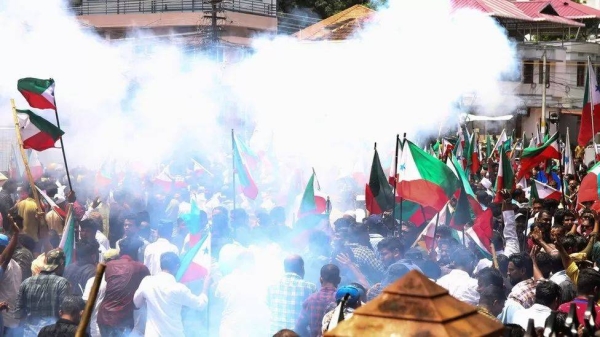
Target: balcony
x=257 y=7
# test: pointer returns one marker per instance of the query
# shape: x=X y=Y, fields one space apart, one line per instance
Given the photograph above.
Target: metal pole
x=591 y=95
x=544 y=77
x=233 y=165
x=395 y=179
x=62 y=145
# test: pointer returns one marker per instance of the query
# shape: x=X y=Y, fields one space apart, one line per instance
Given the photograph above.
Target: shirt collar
x=292 y=275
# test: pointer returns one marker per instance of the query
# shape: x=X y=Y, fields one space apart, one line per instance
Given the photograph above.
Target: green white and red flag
x=540 y=190
x=505 y=179
x=36 y=132
x=481 y=232
x=532 y=156
x=39 y=93
x=591 y=103
x=313 y=202
x=589 y=190
x=424 y=179
x=67 y=242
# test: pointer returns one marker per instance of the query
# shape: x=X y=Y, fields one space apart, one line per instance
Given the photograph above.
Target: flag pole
x=25 y=161
x=561 y=163
x=233 y=165
x=62 y=145
x=395 y=181
x=401 y=199
x=591 y=93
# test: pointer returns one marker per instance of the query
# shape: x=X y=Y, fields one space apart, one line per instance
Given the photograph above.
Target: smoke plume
x=313 y=104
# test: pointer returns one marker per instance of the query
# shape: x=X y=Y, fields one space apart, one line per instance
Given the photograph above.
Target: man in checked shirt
x=314 y=308
x=285 y=297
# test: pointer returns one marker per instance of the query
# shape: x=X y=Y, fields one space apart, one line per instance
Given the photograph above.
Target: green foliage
x=323 y=8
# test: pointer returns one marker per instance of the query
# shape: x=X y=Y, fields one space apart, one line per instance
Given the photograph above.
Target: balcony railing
x=257 y=7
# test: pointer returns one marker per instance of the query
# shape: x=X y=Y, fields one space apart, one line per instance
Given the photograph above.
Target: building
x=566 y=31
x=192 y=23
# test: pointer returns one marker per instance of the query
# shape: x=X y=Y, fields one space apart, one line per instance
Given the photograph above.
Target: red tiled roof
x=496 y=8
x=544 y=11
x=339 y=26
x=572 y=10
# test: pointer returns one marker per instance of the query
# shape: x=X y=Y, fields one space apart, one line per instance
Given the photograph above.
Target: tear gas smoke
x=314 y=104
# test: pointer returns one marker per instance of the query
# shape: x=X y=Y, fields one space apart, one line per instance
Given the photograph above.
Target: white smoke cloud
x=322 y=104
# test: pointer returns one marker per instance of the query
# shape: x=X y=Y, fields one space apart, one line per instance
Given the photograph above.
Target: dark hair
x=293 y=264
x=580 y=243
x=165 y=228
x=513 y=330
x=130 y=246
x=568 y=242
x=391 y=244
x=490 y=276
x=546 y=292
x=497 y=240
x=522 y=261
x=342 y=224
x=588 y=280
x=86 y=249
x=130 y=216
x=463 y=257
x=556 y=262
x=169 y=261
x=544 y=262
x=143 y=216
x=27 y=242
x=492 y=293
x=444 y=232
x=330 y=273
x=72 y=305
x=88 y=224
x=502 y=263
x=537 y=201
x=286 y=333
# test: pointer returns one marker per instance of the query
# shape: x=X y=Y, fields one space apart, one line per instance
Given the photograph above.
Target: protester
x=70 y=312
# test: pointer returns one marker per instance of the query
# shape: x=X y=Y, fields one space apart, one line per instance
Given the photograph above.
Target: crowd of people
x=269 y=275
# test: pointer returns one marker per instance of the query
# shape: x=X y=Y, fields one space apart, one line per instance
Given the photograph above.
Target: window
x=541 y=73
x=580 y=74
x=528 y=72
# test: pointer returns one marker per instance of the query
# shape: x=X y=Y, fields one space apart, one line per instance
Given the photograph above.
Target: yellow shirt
x=31 y=224
x=573 y=274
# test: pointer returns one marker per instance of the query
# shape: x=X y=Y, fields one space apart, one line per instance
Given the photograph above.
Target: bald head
x=294 y=264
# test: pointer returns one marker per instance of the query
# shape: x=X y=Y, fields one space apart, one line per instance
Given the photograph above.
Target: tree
x=323 y=8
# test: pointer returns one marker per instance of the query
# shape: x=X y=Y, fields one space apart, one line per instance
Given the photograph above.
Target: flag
x=52 y=204
x=37 y=92
x=199 y=169
x=250 y=158
x=481 y=232
x=540 y=190
x=241 y=170
x=423 y=179
x=589 y=190
x=379 y=196
x=427 y=236
x=533 y=156
x=568 y=156
x=413 y=212
x=67 y=242
x=105 y=174
x=36 y=132
x=591 y=103
x=312 y=203
x=35 y=166
x=501 y=140
x=467 y=206
x=195 y=263
x=473 y=162
x=163 y=179
x=506 y=178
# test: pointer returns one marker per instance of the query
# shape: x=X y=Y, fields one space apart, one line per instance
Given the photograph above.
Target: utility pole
x=215 y=16
x=544 y=77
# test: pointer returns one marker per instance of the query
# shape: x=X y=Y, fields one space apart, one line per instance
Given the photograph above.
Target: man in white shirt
x=547 y=297
x=165 y=297
x=154 y=251
x=459 y=282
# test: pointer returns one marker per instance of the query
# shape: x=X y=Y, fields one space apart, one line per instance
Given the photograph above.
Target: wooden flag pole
x=25 y=161
x=62 y=145
x=89 y=305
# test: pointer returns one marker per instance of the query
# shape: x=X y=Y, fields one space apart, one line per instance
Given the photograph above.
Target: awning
x=473 y=118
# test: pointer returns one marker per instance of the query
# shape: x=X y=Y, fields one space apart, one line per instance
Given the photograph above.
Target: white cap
x=485 y=182
x=59 y=199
